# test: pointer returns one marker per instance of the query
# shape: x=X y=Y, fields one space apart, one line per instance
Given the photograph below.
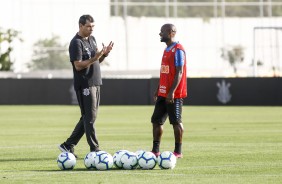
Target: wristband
x=105 y=55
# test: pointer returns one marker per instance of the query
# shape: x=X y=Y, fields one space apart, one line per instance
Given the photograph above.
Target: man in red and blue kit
x=171 y=91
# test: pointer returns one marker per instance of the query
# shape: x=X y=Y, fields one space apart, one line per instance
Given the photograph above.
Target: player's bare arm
x=176 y=81
x=156 y=94
x=107 y=51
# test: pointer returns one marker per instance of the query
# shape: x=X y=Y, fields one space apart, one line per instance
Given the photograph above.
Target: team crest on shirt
x=173 y=50
x=86 y=92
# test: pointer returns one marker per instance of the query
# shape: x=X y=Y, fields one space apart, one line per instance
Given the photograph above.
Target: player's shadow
x=91 y=170
x=80 y=170
x=31 y=159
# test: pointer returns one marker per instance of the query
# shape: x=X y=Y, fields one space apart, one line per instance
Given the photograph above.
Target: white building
x=137 y=44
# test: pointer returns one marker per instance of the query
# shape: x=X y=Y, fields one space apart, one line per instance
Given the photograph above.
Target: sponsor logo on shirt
x=164 y=69
x=162 y=89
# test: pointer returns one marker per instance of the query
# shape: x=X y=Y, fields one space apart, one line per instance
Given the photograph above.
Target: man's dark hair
x=84 y=18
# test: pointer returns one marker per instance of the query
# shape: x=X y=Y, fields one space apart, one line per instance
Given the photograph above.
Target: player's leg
x=158 y=118
x=76 y=134
x=175 y=112
x=157 y=134
x=91 y=103
x=78 y=131
x=178 y=133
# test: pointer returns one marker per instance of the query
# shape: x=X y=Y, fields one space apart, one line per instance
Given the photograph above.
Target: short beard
x=164 y=39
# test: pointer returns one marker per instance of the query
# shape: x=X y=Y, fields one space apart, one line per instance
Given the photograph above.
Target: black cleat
x=66 y=148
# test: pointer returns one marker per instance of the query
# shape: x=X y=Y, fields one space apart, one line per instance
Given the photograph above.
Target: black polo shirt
x=83 y=49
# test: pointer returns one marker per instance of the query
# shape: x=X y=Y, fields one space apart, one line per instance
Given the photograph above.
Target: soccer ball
x=138 y=154
x=117 y=157
x=103 y=160
x=147 y=160
x=66 y=161
x=129 y=160
x=89 y=160
x=167 y=160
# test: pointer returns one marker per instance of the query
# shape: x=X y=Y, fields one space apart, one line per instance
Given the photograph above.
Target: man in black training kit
x=85 y=59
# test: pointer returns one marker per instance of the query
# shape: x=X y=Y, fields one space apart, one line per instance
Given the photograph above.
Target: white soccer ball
x=167 y=160
x=129 y=160
x=103 y=160
x=66 y=161
x=89 y=160
x=117 y=157
x=138 y=153
x=147 y=160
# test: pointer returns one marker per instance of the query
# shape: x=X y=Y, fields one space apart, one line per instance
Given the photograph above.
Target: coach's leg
x=76 y=134
x=91 y=101
x=78 y=131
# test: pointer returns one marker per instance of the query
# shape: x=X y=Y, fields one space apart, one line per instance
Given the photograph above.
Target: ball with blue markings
x=167 y=160
x=66 y=161
x=147 y=160
x=129 y=161
x=89 y=160
x=103 y=160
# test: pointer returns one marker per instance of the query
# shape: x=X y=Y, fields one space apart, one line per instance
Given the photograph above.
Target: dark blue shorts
x=163 y=109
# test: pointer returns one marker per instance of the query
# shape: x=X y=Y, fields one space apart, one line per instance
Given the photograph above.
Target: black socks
x=156 y=146
x=177 y=148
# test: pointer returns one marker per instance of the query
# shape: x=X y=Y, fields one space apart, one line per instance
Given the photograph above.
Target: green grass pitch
x=221 y=144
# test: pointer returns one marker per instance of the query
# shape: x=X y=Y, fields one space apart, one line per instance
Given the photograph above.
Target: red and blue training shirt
x=173 y=56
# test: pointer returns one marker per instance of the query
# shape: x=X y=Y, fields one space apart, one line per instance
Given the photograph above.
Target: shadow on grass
x=90 y=170
x=31 y=159
x=25 y=159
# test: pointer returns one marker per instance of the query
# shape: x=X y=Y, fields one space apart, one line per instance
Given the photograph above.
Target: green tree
x=233 y=55
x=50 y=54
x=7 y=37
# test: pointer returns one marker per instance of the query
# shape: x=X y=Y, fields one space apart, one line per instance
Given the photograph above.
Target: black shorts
x=163 y=109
